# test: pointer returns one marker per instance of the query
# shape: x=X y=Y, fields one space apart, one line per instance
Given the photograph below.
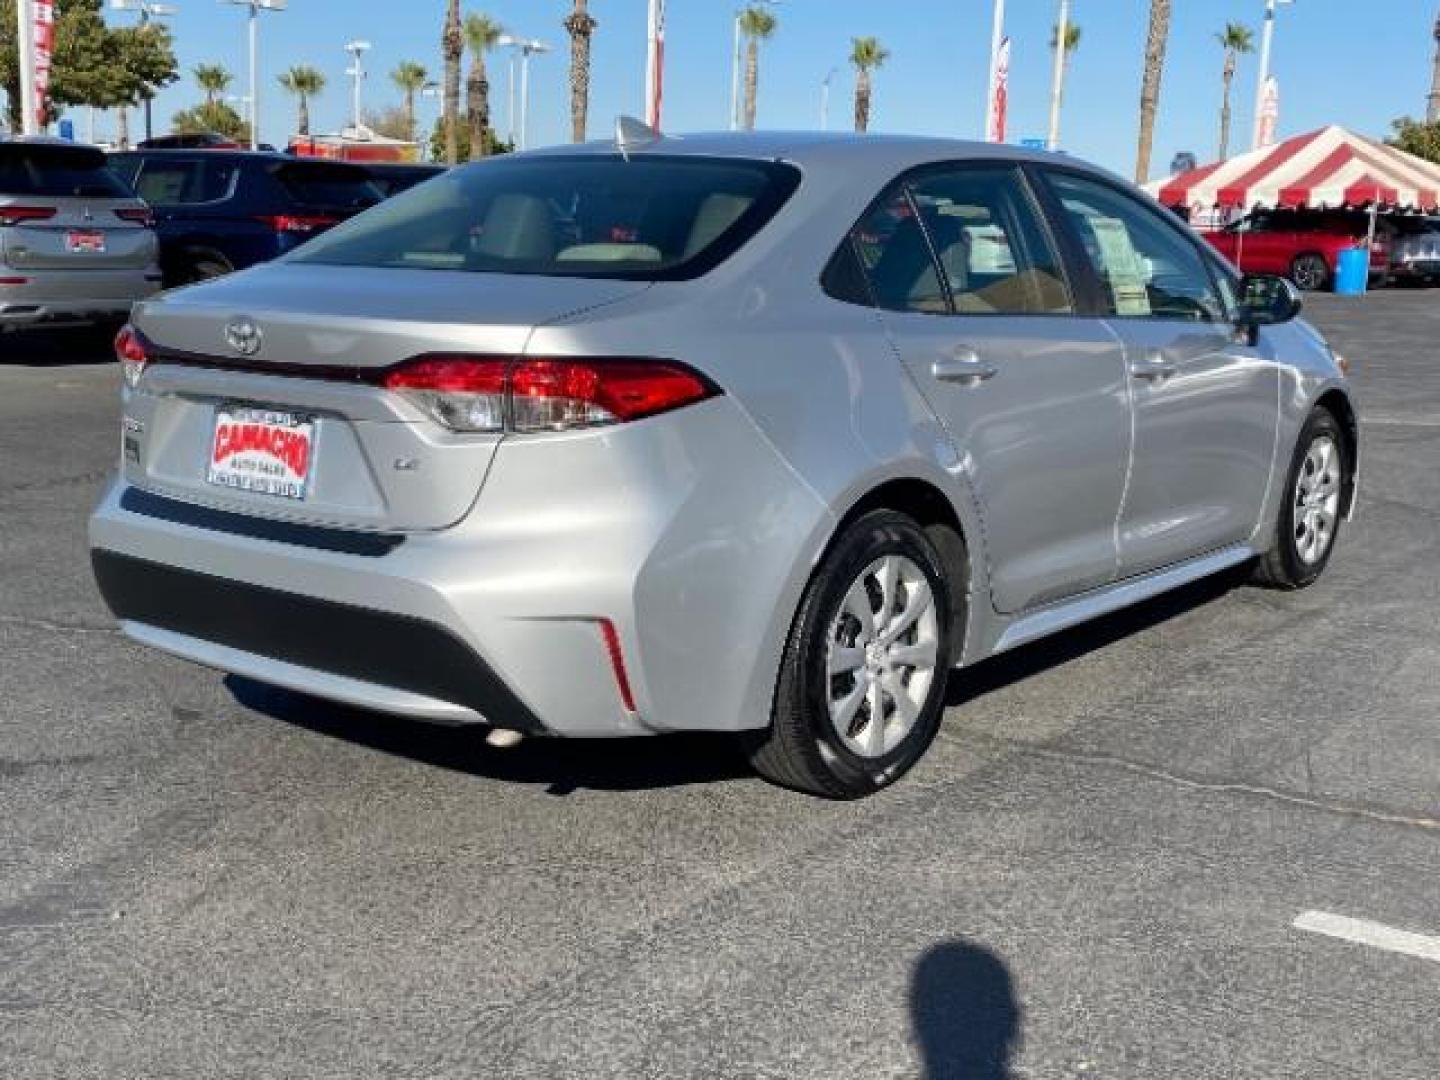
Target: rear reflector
x=617 y=663
x=14 y=281
x=298 y=223
x=14 y=215
x=493 y=394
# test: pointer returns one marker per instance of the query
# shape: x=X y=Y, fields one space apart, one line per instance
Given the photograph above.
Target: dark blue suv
x=220 y=210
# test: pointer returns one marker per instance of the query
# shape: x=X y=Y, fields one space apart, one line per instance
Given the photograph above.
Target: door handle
x=1154 y=367
x=965 y=367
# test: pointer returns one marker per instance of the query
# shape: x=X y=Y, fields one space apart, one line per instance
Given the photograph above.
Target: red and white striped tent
x=1326 y=169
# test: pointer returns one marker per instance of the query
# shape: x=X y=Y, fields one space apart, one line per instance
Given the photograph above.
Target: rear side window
x=650 y=218
x=333 y=187
x=963 y=240
x=184 y=181
x=58 y=172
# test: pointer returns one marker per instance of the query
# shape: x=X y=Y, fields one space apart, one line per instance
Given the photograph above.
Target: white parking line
x=1364 y=932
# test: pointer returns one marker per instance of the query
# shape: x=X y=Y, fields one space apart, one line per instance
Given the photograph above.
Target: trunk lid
x=80 y=234
x=375 y=461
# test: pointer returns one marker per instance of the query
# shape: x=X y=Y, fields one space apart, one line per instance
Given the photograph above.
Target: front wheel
x=862 y=681
x=1311 y=514
x=1311 y=273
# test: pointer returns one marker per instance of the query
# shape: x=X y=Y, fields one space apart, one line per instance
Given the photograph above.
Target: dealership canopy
x=1325 y=169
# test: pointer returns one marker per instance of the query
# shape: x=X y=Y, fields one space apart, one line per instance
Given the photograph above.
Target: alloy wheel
x=882 y=655
x=1316 y=500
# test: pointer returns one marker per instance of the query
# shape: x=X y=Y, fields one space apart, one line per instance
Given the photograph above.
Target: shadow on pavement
x=58 y=346
x=563 y=765
x=1009 y=668
x=964 y=1013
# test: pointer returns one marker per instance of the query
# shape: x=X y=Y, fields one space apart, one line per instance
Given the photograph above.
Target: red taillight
x=14 y=215
x=484 y=394
x=130 y=351
x=14 y=281
x=298 y=223
x=139 y=215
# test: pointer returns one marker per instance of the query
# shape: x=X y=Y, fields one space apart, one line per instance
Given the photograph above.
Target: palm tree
x=1155 y=43
x=452 y=47
x=580 y=25
x=410 y=78
x=304 y=82
x=866 y=54
x=1235 y=39
x=214 y=80
x=1432 y=114
x=481 y=34
x=757 y=25
x=1073 y=34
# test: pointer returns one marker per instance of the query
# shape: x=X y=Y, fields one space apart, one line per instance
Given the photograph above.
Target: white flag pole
x=997 y=35
x=29 y=101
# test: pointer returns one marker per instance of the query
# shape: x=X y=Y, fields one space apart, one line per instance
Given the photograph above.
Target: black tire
x=802 y=749
x=1284 y=566
x=1311 y=272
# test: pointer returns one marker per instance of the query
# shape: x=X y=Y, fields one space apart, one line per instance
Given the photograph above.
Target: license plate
x=85 y=242
x=262 y=450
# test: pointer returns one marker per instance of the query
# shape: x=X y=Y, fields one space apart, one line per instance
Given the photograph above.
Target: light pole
x=148 y=10
x=654 y=62
x=524 y=48
x=356 y=70
x=1057 y=82
x=256 y=6
x=435 y=90
x=997 y=35
x=825 y=98
x=1267 y=37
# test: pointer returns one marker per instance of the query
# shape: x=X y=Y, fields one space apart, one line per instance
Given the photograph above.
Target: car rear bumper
x=42 y=296
x=606 y=583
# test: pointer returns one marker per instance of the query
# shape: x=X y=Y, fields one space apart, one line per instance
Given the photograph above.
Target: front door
x=1206 y=403
x=1034 y=397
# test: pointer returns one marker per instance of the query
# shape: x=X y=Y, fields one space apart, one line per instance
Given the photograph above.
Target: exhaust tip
x=503 y=738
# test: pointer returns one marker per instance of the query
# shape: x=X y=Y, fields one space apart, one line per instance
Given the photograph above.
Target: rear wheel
x=1310 y=516
x=862 y=680
x=203 y=266
x=1310 y=272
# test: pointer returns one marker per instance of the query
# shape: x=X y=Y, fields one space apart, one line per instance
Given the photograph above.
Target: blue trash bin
x=1352 y=272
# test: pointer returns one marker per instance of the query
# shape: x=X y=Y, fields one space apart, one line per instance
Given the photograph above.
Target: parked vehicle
x=76 y=245
x=203 y=140
x=218 y=211
x=738 y=433
x=1415 y=250
x=1302 y=245
x=392 y=179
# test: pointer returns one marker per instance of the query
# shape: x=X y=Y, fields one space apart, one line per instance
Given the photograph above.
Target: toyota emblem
x=243 y=336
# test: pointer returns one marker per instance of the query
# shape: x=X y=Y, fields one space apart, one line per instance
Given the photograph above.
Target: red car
x=1303 y=245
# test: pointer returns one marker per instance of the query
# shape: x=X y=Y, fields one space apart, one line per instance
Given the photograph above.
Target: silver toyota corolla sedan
x=760 y=434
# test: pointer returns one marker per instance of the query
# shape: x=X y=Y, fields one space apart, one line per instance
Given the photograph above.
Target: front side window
x=960 y=241
x=172 y=182
x=649 y=218
x=1147 y=268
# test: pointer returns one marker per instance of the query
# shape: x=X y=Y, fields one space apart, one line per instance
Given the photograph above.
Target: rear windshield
x=58 y=172
x=650 y=218
x=333 y=186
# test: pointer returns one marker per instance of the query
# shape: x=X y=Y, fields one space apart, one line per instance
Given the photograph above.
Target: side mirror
x=1268 y=300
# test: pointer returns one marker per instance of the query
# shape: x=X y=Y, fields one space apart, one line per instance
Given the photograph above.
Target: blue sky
x=1361 y=65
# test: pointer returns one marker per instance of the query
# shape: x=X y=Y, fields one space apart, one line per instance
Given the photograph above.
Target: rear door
x=1034 y=394
x=1206 y=403
x=61 y=208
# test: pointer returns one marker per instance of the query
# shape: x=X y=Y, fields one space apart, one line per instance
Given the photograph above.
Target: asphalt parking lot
x=1097 y=872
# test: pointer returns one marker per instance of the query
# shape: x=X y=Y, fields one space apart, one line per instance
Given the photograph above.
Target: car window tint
x=649 y=218
x=334 y=187
x=1147 y=267
x=58 y=172
x=895 y=255
x=164 y=182
x=216 y=181
x=995 y=255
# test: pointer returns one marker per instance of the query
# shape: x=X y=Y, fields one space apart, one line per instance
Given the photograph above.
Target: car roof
x=819 y=147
